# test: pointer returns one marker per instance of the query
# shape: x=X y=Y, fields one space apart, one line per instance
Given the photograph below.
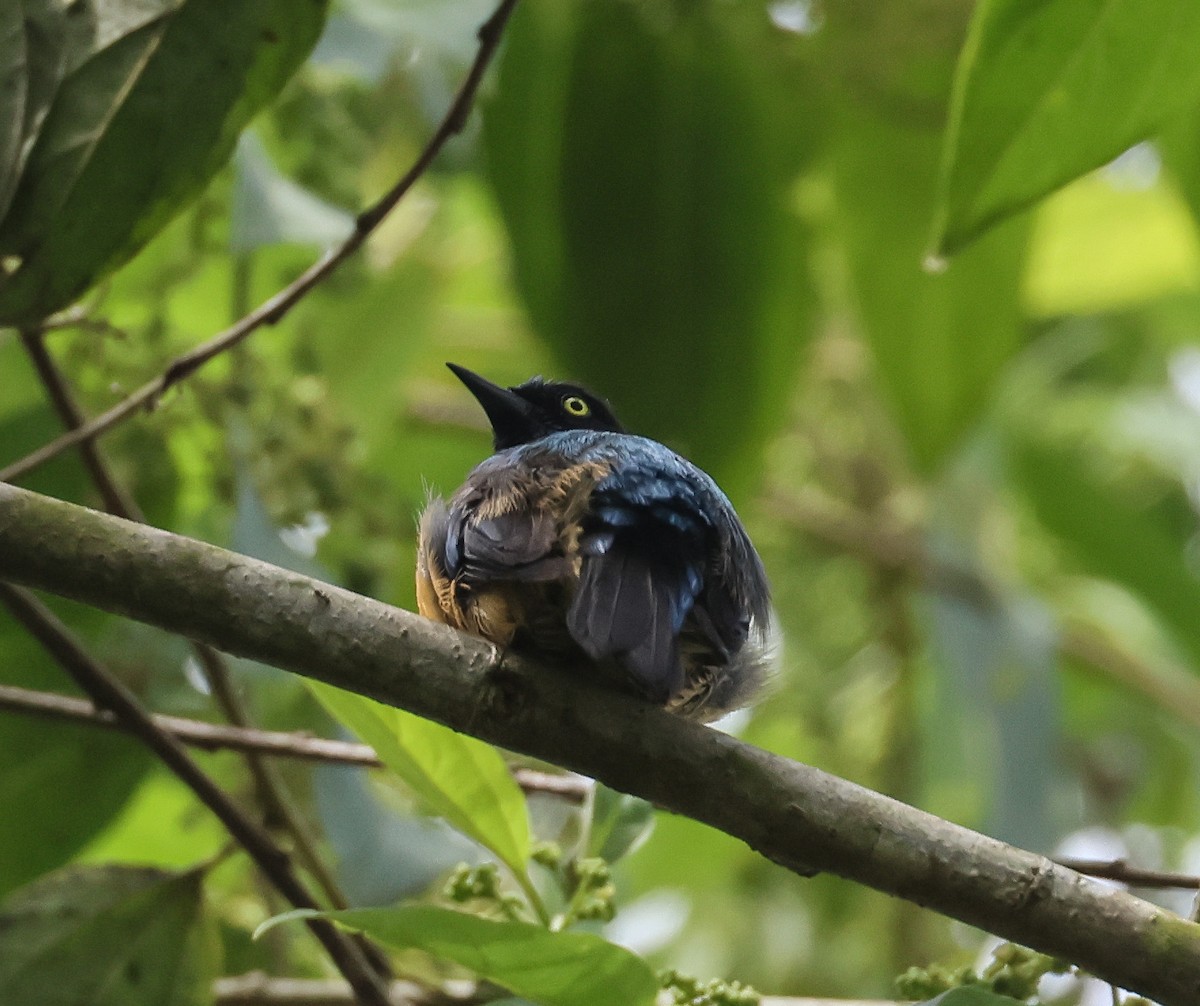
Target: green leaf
x=458 y=778
x=271 y=209
x=641 y=172
x=994 y=729
x=620 y=823
x=1046 y=92
x=148 y=109
x=1179 y=145
x=551 y=968
x=14 y=85
x=107 y=936
x=61 y=783
x=941 y=341
x=1138 y=543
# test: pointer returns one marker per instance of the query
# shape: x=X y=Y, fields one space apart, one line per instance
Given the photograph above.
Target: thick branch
x=271 y=793
x=107 y=691
x=793 y=814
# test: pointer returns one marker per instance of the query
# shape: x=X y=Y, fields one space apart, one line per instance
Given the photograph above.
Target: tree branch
x=273 y=799
x=271 y=311
x=108 y=692
x=217 y=736
x=793 y=814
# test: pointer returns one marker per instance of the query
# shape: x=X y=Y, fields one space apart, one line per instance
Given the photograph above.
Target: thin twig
x=78 y=317
x=116 y=499
x=273 y=310
x=1169 y=687
x=1120 y=870
x=108 y=692
x=259 y=989
x=218 y=736
x=277 y=807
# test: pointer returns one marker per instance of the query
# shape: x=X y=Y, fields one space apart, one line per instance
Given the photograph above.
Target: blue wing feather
x=659 y=546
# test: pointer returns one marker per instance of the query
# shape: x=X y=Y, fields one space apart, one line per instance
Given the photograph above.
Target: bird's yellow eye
x=576 y=406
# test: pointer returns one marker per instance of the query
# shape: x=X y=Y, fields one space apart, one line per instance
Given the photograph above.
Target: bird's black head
x=536 y=408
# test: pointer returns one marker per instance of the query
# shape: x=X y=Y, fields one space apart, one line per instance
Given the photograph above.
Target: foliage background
x=974 y=488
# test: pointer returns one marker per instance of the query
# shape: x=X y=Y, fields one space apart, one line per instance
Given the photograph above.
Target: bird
x=586 y=545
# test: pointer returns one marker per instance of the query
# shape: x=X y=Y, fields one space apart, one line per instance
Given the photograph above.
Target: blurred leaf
x=620 y=823
x=369 y=32
x=1179 y=144
x=107 y=936
x=1111 y=534
x=160 y=825
x=1045 y=92
x=383 y=853
x=996 y=725
x=144 y=116
x=14 y=55
x=940 y=342
x=552 y=968
x=456 y=777
x=640 y=167
x=271 y=209
x=61 y=783
x=1104 y=243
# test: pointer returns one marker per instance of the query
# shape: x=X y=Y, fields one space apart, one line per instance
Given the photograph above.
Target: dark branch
x=108 y=692
x=1118 y=869
x=793 y=814
x=272 y=797
x=217 y=736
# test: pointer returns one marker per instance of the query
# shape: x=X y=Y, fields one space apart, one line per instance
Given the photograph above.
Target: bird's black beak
x=513 y=419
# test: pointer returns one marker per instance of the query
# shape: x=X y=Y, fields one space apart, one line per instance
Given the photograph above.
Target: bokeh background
x=973 y=482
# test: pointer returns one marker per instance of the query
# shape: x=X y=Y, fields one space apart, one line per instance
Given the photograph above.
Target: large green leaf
x=269 y=208
x=152 y=98
x=1134 y=541
x=994 y=729
x=940 y=342
x=107 y=936
x=641 y=155
x=457 y=777
x=1046 y=92
x=60 y=783
x=552 y=968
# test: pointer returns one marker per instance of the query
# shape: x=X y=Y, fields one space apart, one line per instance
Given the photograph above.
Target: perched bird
x=581 y=543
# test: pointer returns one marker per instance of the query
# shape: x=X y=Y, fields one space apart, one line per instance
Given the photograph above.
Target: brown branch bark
x=108 y=692
x=271 y=311
x=216 y=736
x=273 y=799
x=793 y=814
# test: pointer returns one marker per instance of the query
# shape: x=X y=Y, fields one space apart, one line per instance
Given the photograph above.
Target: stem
x=216 y=736
x=107 y=691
